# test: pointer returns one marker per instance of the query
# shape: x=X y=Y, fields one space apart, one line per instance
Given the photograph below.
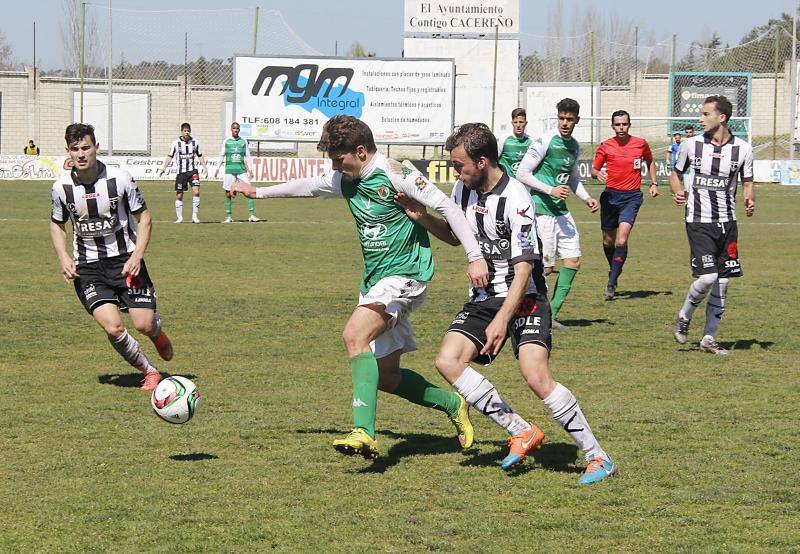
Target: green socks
x=563 y=286
x=365 y=391
x=251 y=206
x=416 y=389
x=229 y=206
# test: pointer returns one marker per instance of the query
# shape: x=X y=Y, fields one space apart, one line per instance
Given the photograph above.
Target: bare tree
x=357 y=50
x=71 y=40
x=6 y=57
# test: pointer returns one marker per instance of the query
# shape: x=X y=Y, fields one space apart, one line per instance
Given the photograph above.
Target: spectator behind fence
x=31 y=149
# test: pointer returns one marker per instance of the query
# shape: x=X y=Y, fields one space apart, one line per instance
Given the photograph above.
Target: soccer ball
x=175 y=399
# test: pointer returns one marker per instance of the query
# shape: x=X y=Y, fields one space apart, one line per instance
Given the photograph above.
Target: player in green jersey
x=235 y=154
x=397 y=266
x=512 y=148
x=550 y=169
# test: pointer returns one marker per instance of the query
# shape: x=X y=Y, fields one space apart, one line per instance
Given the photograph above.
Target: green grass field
x=707 y=446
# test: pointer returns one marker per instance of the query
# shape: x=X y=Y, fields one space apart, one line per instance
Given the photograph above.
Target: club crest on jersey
x=384 y=192
x=114 y=202
x=420 y=183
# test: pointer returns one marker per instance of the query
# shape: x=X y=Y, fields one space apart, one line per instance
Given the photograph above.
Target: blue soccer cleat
x=596 y=470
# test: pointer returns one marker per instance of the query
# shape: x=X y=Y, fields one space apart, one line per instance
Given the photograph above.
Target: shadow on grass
x=193 y=457
x=626 y=294
x=551 y=457
x=131 y=380
x=583 y=322
x=747 y=344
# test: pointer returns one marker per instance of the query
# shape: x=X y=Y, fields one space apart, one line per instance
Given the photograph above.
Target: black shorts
x=531 y=323
x=186 y=179
x=102 y=282
x=714 y=249
x=619 y=206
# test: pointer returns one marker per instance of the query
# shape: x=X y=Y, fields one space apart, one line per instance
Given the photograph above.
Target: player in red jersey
x=623 y=156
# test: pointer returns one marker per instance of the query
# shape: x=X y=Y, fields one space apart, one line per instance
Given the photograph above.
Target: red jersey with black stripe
x=623 y=162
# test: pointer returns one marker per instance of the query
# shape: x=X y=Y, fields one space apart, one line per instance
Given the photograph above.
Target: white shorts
x=401 y=296
x=231 y=178
x=559 y=236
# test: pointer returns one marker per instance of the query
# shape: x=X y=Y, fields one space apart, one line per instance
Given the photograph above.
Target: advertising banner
x=461 y=17
x=404 y=101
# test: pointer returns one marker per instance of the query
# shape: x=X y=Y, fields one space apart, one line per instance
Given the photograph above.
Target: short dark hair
x=722 y=104
x=620 y=113
x=568 y=105
x=678 y=134
x=185 y=126
x=689 y=128
x=345 y=133
x=76 y=131
x=519 y=112
x=477 y=139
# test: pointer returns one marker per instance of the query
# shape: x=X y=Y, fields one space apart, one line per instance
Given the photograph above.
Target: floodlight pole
x=494 y=76
x=83 y=41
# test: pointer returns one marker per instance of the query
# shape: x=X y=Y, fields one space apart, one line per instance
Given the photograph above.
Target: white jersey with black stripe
x=101 y=212
x=503 y=222
x=185 y=153
x=711 y=177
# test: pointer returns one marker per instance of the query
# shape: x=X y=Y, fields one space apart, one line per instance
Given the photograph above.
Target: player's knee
x=354 y=340
x=621 y=241
x=145 y=326
x=707 y=280
x=574 y=263
x=449 y=366
x=540 y=381
x=114 y=330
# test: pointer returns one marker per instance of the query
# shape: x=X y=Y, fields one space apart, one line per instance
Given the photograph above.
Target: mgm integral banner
x=404 y=101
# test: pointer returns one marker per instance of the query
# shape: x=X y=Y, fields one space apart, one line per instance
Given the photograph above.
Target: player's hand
x=602 y=176
x=414 y=210
x=561 y=191
x=68 y=269
x=249 y=174
x=593 y=204
x=478 y=273
x=160 y=172
x=132 y=266
x=679 y=198
x=654 y=190
x=749 y=206
x=495 y=335
x=248 y=190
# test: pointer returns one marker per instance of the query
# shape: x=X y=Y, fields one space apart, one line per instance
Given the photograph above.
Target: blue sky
x=378 y=24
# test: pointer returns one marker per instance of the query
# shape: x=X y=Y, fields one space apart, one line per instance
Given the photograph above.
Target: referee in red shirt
x=623 y=156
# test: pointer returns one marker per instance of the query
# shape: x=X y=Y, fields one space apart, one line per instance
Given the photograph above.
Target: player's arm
x=247 y=160
x=221 y=160
x=165 y=165
x=58 y=235
x=652 y=171
x=327 y=185
x=496 y=330
x=580 y=191
x=530 y=162
x=144 y=224
x=416 y=211
x=597 y=165
x=676 y=176
x=202 y=160
x=748 y=189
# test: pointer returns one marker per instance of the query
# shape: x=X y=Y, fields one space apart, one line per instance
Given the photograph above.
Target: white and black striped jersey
x=503 y=222
x=100 y=212
x=711 y=177
x=185 y=152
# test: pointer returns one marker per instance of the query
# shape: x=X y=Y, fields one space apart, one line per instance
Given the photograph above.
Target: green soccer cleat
x=465 y=432
x=357 y=442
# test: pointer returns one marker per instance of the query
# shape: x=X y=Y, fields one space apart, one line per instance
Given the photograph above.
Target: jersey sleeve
x=746 y=169
x=420 y=189
x=599 y=157
x=247 y=155
x=647 y=154
x=327 y=185
x=682 y=161
x=133 y=195
x=58 y=211
x=173 y=149
x=524 y=244
x=530 y=162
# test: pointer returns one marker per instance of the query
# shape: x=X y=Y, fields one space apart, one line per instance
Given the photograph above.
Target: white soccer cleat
x=195 y=219
x=253 y=219
x=710 y=346
x=681 y=330
x=179 y=220
x=228 y=219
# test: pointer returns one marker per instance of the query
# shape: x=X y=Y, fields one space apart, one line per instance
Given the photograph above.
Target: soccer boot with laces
x=596 y=470
x=710 y=346
x=522 y=444
x=357 y=442
x=151 y=379
x=163 y=346
x=465 y=432
x=610 y=291
x=681 y=330
x=253 y=219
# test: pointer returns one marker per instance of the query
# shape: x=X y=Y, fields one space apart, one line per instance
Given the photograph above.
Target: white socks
x=715 y=306
x=195 y=206
x=480 y=393
x=567 y=412
x=179 y=209
x=697 y=293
